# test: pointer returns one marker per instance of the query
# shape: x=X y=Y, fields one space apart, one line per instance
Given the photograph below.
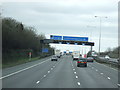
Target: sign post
x=30 y=55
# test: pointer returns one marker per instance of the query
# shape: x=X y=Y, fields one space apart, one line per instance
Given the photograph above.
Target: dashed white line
x=92 y=67
x=118 y=85
x=73 y=69
x=96 y=70
x=38 y=82
x=107 y=66
x=101 y=73
x=44 y=76
x=108 y=78
x=51 y=68
x=76 y=76
x=78 y=83
x=48 y=71
x=74 y=72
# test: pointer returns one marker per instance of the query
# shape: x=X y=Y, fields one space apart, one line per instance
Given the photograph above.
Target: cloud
x=67 y=17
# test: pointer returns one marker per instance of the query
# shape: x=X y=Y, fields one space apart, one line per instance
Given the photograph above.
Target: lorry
x=58 y=53
x=76 y=55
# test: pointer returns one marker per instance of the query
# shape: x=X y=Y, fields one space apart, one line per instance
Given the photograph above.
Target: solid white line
x=101 y=73
x=38 y=82
x=76 y=76
x=74 y=72
x=78 y=83
x=108 y=78
x=22 y=70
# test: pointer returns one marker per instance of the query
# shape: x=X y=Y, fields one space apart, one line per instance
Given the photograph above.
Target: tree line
x=18 y=40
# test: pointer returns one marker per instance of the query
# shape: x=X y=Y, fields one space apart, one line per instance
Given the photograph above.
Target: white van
x=76 y=55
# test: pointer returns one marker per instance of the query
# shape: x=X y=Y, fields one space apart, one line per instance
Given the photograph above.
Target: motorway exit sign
x=54 y=37
x=75 y=38
x=69 y=38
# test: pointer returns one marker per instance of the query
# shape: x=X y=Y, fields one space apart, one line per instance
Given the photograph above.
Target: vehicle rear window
x=82 y=60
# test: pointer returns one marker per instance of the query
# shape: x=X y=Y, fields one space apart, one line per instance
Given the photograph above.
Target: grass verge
x=18 y=62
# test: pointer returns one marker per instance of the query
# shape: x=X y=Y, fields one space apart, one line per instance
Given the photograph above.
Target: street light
x=100 y=32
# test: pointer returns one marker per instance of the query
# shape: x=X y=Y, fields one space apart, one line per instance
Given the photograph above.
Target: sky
x=69 y=18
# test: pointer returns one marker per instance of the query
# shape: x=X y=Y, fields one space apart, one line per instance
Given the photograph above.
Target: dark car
x=54 y=58
x=82 y=62
x=90 y=59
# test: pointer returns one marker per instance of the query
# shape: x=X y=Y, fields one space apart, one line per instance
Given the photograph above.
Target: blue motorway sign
x=45 y=50
x=75 y=38
x=54 y=37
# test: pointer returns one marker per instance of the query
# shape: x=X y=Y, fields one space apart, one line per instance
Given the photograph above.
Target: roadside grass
x=18 y=62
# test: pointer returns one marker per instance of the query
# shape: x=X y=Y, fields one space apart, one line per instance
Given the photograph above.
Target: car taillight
x=78 y=62
x=85 y=62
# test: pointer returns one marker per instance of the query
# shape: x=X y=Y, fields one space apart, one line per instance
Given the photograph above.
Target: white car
x=107 y=57
x=54 y=58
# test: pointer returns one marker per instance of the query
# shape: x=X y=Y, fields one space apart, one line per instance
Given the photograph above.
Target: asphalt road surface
x=63 y=73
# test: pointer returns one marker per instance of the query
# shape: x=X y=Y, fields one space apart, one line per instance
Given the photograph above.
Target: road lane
x=61 y=77
x=92 y=78
x=62 y=74
x=13 y=69
x=108 y=71
x=26 y=79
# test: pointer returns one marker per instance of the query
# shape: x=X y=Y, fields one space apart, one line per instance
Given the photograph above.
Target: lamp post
x=100 y=33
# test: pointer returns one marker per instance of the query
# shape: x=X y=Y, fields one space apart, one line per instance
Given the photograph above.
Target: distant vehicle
x=82 y=62
x=67 y=52
x=54 y=58
x=90 y=59
x=58 y=53
x=76 y=55
x=107 y=57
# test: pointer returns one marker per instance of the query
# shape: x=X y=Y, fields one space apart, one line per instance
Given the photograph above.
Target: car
x=107 y=57
x=54 y=58
x=82 y=62
x=90 y=59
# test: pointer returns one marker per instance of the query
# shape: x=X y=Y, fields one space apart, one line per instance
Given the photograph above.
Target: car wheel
x=86 y=65
x=78 y=66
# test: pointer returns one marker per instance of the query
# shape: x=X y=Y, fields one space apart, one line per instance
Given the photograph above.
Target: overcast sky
x=69 y=17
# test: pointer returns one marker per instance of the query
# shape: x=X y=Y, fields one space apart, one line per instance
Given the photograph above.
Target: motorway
x=63 y=73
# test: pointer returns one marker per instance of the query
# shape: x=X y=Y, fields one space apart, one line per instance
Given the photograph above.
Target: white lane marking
x=92 y=67
x=74 y=72
x=118 y=85
x=107 y=66
x=73 y=69
x=78 y=83
x=44 y=76
x=48 y=71
x=38 y=82
x=51 y=68
x=108 y=78
x=96 y=70
x=23 y=70
x=101 y=73
x=76 y=76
